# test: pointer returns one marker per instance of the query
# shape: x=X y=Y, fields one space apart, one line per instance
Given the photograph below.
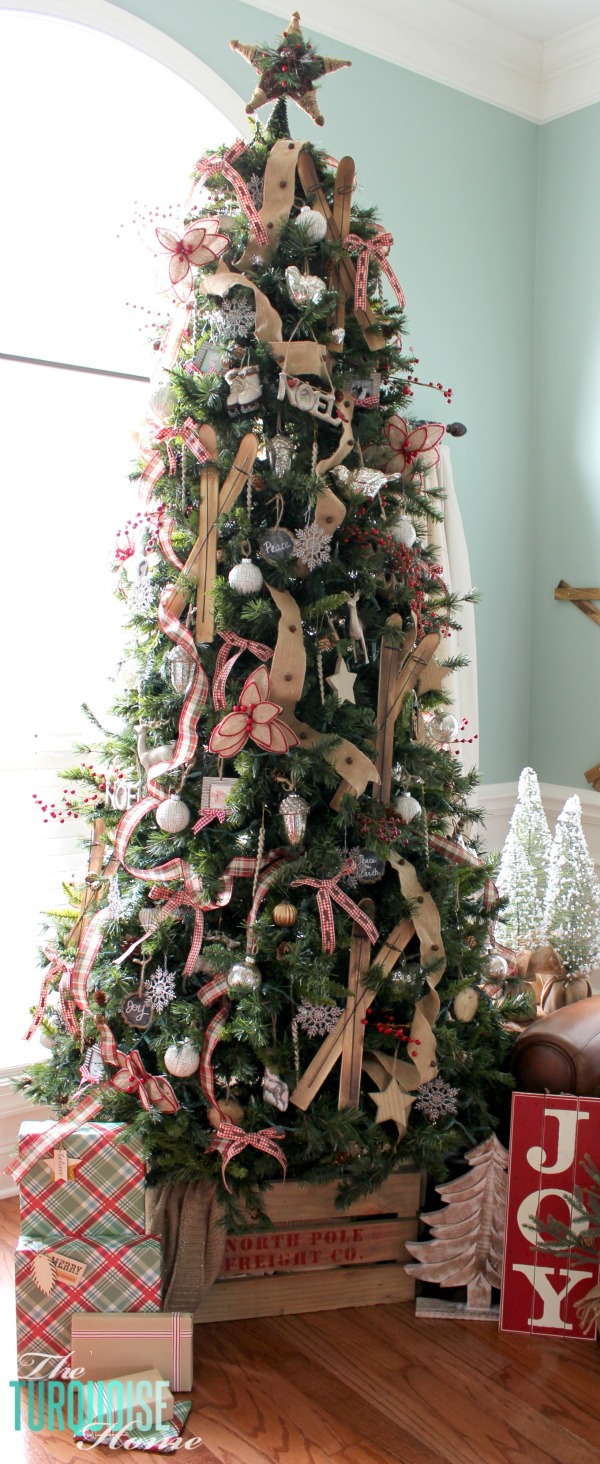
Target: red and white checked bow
x=229 y=1141
x=152 y=1092
x=376 y=248
x=155 y=468
x=207 y=816
x=189 y=435
x=225 y=663
x=328 y=890
x=224 y=165
x=175 y=903
x=58 y=972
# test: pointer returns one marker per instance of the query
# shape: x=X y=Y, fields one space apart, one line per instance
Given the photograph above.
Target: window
x=100 y=134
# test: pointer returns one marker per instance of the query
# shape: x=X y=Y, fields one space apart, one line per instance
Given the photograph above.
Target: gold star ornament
x=288 y=70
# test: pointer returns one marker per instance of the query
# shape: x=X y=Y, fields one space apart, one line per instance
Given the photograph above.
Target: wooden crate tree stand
x=318 y=1258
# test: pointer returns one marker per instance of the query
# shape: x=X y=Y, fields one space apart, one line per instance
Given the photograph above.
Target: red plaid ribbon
x=215 y=990
x=88 y=948
x=152 y=1092
x=225 y=166
x=55 y=1135
x=368 y=249
x=207 y=816
x=459 y=855
x=196 y=696
x=190 y=436
x=327 y=890
x=229 y=1141
x=165 y=539
x=174 y=903
x=57 y=973
x=224 y=665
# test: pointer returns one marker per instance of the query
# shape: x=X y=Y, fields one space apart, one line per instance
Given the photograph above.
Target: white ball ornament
x=173 y=815
x=245 y=578
x=313 y=223
x=182 y=1059
x=497 y=968
x=163 y=402
x=403 y=532
x=408 y=807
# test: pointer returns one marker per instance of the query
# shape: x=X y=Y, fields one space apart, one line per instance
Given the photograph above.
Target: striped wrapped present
x=54 y=1281
x=91 y=1187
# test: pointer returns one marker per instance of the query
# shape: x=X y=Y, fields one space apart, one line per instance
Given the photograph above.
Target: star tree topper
x=289 y=70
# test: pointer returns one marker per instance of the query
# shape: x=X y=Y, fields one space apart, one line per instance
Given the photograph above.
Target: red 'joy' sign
x=550 y=1138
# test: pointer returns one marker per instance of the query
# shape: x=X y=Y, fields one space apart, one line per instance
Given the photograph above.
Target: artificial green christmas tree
x=281 y=909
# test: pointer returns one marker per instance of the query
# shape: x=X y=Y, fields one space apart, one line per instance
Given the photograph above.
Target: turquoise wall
x=565 y=699
x=455 y=182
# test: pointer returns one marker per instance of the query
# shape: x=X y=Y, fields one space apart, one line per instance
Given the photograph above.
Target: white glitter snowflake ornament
x=115 y=904
x=160 y=987
x=256 y=190
x=317 y=1021
x=312 y=546
x=233 y=318
x=436 y=1099
x=141 y=598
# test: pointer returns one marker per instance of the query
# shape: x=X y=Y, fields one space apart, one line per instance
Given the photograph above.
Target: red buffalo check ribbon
x=175 y=903
x=215 y=990
x=53 y=1136
x=225 y=166
x=328 y=890
x=152 y=1092
x=57 y=973
x=225 y=662
x=207 y=816
x=190 y=436
x=376 y=248
x=229 y=1141
x=459 y=855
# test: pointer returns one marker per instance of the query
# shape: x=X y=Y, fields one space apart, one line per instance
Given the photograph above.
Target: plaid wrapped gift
x=54 y=1281
x=102 y=1196
x=163 y=1438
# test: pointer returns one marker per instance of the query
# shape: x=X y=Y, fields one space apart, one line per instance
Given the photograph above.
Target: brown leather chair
x=560 y=1053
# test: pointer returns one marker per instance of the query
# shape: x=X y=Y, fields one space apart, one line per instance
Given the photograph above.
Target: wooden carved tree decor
x=467 y=1241
x=201 y=564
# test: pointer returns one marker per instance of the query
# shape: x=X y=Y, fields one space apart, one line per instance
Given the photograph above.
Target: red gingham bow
x=230 y=1140
x=180 y=900
x=207 y=816
x=376 y=248
x=190 y=436
x=133 y=1078
x=224 y=165
x=58 y=971
x=224 y=666
x=328 y=890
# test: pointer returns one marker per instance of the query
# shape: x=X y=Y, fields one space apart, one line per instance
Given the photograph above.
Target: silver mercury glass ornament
x=181 y=668
x=294 y=811
x=244 y=976
x=280 y=454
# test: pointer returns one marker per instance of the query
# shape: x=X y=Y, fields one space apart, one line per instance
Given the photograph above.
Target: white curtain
x=453 y=555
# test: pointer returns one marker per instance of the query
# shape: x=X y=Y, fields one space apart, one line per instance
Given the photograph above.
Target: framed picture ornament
x=215 y=792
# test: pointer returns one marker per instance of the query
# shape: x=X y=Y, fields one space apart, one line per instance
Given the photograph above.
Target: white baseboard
x=14 y=1109
x=498 y=800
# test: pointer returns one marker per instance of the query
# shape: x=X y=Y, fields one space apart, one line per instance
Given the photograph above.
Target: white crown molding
x=434 y=38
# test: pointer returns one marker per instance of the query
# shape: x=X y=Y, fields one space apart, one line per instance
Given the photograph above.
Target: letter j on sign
x=550 y=1139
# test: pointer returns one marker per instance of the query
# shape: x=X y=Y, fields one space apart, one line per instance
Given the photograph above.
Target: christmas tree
x=523 y=873
x=572 y=908
x=279 y=887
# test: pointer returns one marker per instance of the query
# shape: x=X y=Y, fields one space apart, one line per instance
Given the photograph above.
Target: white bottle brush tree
x=523 y=873
x=572 y=908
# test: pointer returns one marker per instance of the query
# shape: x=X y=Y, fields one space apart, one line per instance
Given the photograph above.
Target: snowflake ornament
x=141 y=598
x=160 y=987
x=116 y=905
x=234 y=317
x=312 y=546
x=256 y=190
x=317 y=1021
x=436 y=1099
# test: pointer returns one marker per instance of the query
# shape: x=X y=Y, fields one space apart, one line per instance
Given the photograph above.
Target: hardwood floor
x=364 y=1386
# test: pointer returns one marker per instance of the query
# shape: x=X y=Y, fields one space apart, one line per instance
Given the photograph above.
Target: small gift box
x=55 y=1281
x=163 y=1438
x=90 y=1186
x=103 y=1344
x=121 y=1397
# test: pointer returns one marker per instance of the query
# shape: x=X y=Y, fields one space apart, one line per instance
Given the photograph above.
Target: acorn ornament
x=182 y=1059
x=408 y=807
x=403 y=532
x=229 y=1111
x=285 y=915
x=294 y=811
x=244 y=976
x=280 y=454
x=173 y=815
x=313 y=224
x=181 y=669
x=245 y=578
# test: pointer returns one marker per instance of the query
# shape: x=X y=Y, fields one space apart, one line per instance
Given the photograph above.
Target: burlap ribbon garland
x=288 y=670
x=268 y=325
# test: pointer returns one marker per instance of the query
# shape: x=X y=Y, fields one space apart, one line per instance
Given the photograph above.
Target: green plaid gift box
x=163 y=1438
x=102 y=1195
x=54 y=1281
